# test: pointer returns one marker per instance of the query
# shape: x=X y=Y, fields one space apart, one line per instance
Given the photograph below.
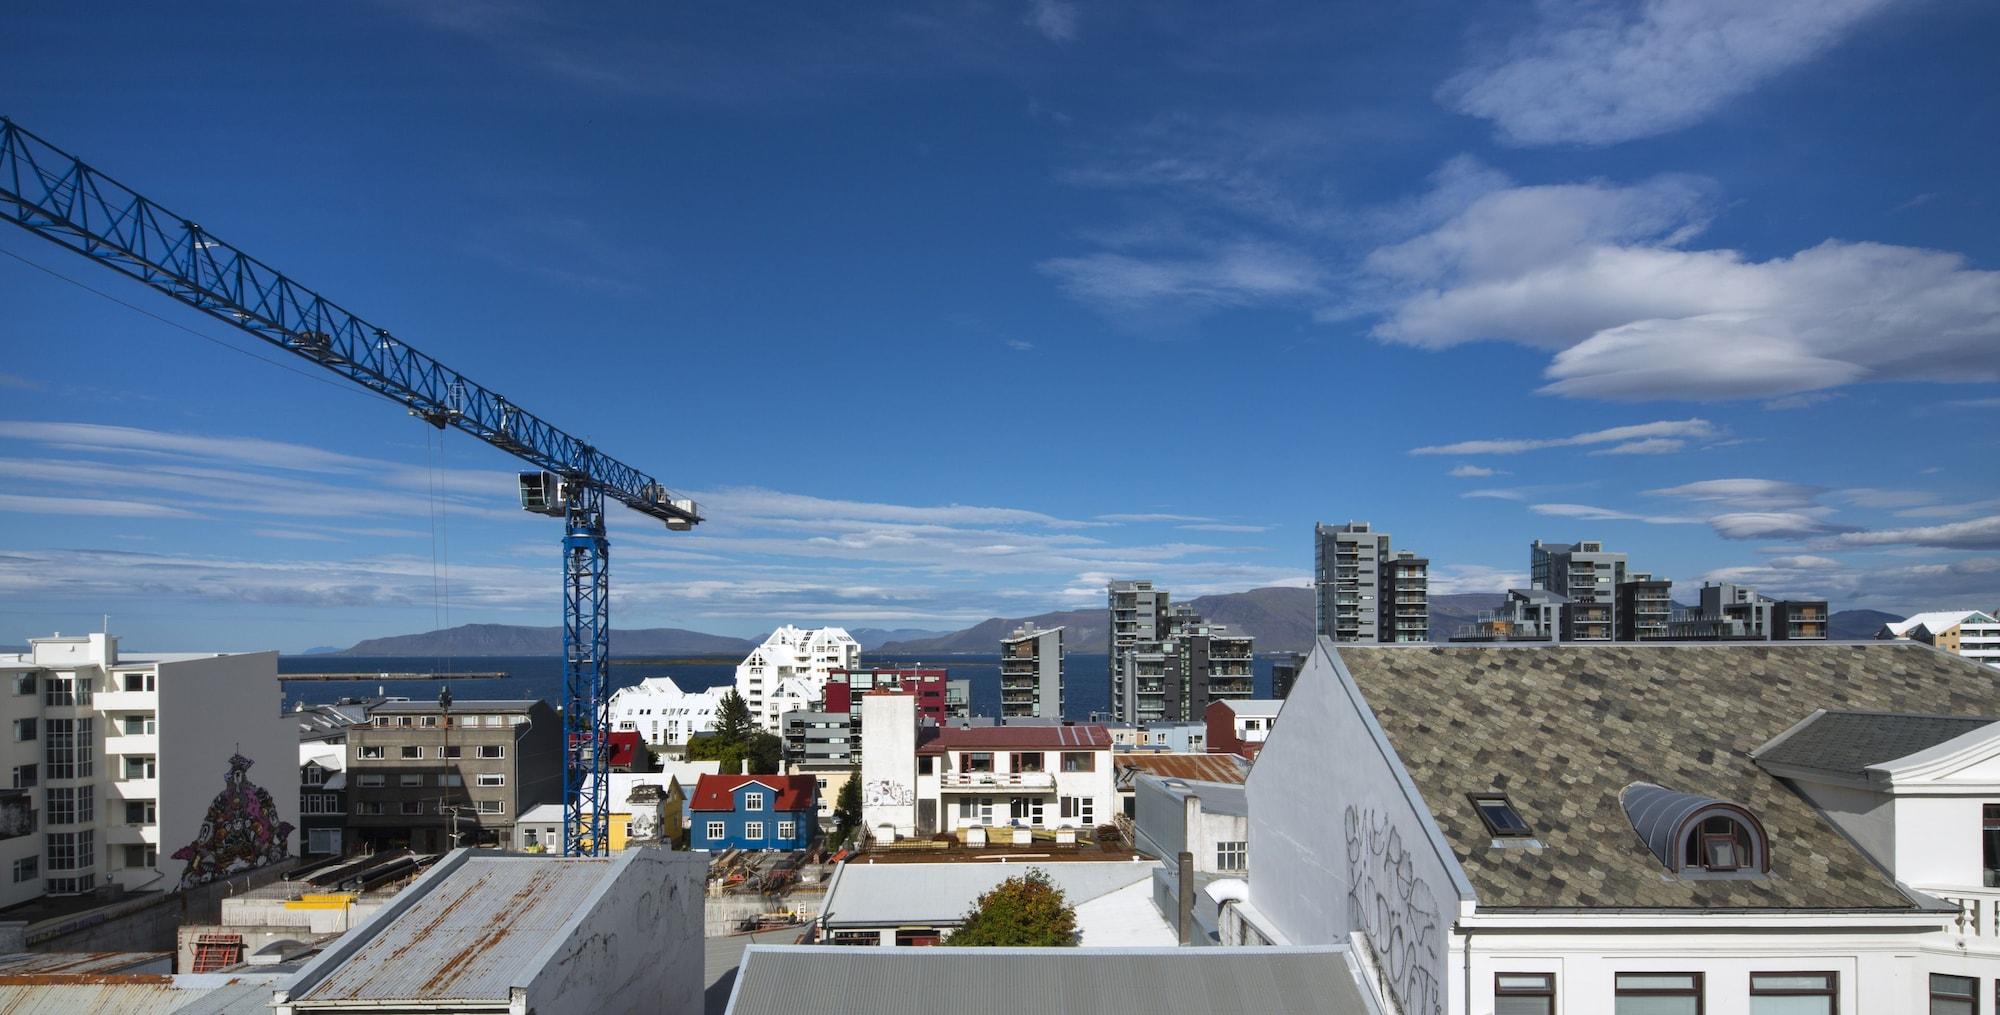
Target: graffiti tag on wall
x=1397 y=910
x=887 y=793
x=241 y=831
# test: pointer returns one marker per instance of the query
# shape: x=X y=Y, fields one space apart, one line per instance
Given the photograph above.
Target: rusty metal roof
x=1192 y=767
x=44 y=964
x=472 y=936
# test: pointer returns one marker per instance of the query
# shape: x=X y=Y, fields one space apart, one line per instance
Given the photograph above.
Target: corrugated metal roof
x=1193 y=767
x=47 y=963
x=785 y=979
x=469 y=938
x=959 y=738
x=875 y=895
x=148 y=996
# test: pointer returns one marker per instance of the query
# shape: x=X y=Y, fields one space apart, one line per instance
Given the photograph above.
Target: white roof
x=1256 y=706
x=1936 y=622
x=931 y=894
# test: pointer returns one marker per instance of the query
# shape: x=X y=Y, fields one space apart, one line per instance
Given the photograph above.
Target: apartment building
x=1969 y=633
x=1588 y=576
x=1645 y=607
x=1174 y=679
x=323 y=773
x=1740 y=613
x=421 y=773
x=1138 y=616
x=790 y=669
x=1031 y=673
x=660 y=712
x=136 y=770
x=1364 y=590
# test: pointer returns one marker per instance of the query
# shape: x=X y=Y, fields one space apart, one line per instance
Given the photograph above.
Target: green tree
x=847 y=806
x=1027 y=911
x=733 y=721
x=737 y=739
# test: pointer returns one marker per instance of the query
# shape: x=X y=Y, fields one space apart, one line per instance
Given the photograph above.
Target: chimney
x=745 y=767
x=1186 y=878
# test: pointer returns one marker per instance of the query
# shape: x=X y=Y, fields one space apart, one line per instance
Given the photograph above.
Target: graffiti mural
x=241 y=831
x=886 y=793
x=1397 y=910
x=17 y=815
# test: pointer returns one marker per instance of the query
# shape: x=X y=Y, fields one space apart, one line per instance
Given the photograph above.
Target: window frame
x=361 y=752
x=1481 y=801
x=1831 y=991
x=1547 y=989
x=753 y=829
x=1971 y=996
x=491 y=752
x=411 y=752
x=1236 y=849
x=753 y=800
x=717 y=830
x=788 y=830
x=1699 y=991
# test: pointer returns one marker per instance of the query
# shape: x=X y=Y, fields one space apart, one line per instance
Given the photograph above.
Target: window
x=1954 y=995
x=451 y=780
x=1026 y=761
x=1079 y=761
x=1232 y=856
x=370 y=753
x=1080 y=809
x=369 y=808
x=788 y=830
x=1501 y=819
x=490 y=779
x=27 y=868
x=1524 y=994
x=976 y=761
x=413 y=807
x=26 y=776
x=924 y=765
x=370 y=781
x=408 y=779
x=976 y=809
x=530 y=837
x=319 y=803
x=68 y=749
x=141 y=766
x=1991 y=838
x=24 y=729
x=1720 y=843
x=142 y=855
x=312 y=775
x=72 y=886
x=1024 y=810
x=24 y=683
x=141 y=725
x=1658 y=993
x=139 y=681
x=716 y=831
x=413 y=754
x=492 y=806
x=69 y=851
x=142 y=812
x=323 y=840
x=753 y=829
x=66 y=690
x=491 y=751
x=451 y=753
x=753 y=801
x=1793 y=993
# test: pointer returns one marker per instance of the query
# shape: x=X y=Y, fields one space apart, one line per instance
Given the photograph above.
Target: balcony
x=126 y=701
x=135 y=789
x=132 y=743
x=975 y=782
x=132 y=835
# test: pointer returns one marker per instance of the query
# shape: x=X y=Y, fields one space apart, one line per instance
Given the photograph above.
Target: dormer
x=1697 y=836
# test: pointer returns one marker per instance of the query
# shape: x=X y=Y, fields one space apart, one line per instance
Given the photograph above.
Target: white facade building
x=1632 y=828
x=661 y=713
x=1969 y=633
x=114 y=762
x=792 y=653
x=1014 y=776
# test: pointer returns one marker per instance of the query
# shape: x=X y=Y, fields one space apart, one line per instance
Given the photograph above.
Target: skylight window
x=1500 y=816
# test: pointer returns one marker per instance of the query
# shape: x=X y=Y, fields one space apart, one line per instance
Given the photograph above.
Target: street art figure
x=241 y=831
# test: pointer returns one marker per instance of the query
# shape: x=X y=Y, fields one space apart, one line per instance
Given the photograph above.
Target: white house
x=791 y=652
x=1969 y=633
x=1718 y=829
x=114 y=762
x=662 y=713
x=1018 y=776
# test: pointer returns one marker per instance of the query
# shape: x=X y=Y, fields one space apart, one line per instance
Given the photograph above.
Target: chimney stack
x=1186 y=878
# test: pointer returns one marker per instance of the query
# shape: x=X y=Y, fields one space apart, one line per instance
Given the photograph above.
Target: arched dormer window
x=1697 y=836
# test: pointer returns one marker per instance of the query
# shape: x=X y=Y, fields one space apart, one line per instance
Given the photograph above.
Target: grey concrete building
x=819 y=738
x=1645 y=607
x=1138 y=615
x=1740 y=613
x=1364 y=590
x=1588 y=576
x=1031 y=673
x=1174 y=679
x=417 y=770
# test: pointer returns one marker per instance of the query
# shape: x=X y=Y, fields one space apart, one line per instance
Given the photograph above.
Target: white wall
x=889 y=763
x=210 y=709
x=1341 y=842
x=638 y=948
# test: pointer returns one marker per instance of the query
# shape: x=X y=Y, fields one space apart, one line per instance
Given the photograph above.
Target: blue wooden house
x=754 y=812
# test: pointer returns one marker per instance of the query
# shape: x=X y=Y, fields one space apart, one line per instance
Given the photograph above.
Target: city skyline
x=886 y=294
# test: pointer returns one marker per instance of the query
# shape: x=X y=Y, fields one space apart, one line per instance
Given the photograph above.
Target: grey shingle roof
x=1562 y=729
x=785 y=979
x=1846 y=743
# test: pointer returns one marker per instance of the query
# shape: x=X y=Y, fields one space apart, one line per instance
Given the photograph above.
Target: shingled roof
x=1846 y=743
x=1563 y=729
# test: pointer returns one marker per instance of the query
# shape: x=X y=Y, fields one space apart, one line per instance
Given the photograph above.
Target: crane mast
x=56 y=196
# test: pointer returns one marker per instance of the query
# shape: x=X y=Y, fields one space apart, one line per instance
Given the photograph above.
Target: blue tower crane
x=54 y=195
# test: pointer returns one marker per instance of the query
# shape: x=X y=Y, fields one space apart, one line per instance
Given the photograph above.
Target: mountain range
x=1281 y=619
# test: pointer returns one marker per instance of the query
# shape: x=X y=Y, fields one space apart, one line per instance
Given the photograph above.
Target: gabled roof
x=718 y=792
x=1938 y=622
x=622 y=747
x=1025 y=738
x=1562 y=729
x=1847 y=743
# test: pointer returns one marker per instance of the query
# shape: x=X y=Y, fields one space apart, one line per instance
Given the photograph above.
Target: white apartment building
x=792 y=654
x=1736 y=829
x=1969 y=633
x=113 y=763
x=661 y=713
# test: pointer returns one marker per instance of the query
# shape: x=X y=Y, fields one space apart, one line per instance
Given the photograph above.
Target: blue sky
x=960 y=310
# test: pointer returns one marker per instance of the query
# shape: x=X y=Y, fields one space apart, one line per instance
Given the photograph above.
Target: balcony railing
x=997 y=780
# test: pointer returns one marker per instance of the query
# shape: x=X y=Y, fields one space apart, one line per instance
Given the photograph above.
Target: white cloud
x=1805 y=400
x=1223 y=527
x=1748 y=494
x=1661 y=429
x=1601 y=74
x=1235 y=274
x=1599 y=514
x=1476 y=472
x=95 y=507
x=1974 y=534
x=1055 y=19
x=1769 y=525
x=1603 y=276
x=1649 y=446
